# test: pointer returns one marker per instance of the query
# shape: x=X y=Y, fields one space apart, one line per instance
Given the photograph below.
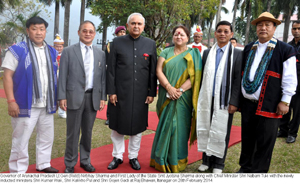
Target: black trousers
x=288 y=125
x=258 y=139
x=213 y=161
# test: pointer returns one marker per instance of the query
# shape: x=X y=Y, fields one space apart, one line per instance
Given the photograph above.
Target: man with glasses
x=218 y=98
x=198 y=35
x=289 y=126
x=81 y=91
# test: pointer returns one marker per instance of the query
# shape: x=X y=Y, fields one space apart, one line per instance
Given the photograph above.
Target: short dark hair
x=84 y=22
x=296 y=22
x=36 y=20
x=233 y=39
x=224 y=22
x=185 y=29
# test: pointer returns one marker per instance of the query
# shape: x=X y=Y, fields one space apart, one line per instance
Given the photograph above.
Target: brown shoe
x=48 y=170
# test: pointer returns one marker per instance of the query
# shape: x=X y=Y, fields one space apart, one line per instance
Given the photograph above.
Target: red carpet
x=152 y=118
x=101 y=157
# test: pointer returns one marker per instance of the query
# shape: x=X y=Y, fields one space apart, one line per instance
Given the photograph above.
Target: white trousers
x=119 y=145
x=22 y=130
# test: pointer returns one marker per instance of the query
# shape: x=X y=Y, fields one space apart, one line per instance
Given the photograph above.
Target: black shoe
x=48 y=170
x=107 y=122
x=88 y=167
x=69 y=170
x=114 y=163
x=281 y=134
x=135 y=163
x=290 y=139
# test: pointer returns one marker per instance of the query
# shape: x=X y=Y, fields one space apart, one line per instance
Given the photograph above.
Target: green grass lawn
x=286 y=157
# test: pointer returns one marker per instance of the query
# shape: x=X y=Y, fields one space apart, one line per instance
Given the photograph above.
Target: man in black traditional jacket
x=131 y=86
x=120 y=31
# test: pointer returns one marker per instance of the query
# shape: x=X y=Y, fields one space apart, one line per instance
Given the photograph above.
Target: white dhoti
x=22 y=130
x=119 y=145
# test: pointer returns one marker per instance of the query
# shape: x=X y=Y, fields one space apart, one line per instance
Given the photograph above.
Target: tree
x=67 y=5
x=235 y=8
x=13 y=19
x=287 y=8
x=161 y=16
x=56 y=17
x=11 y=3
x=20 y=24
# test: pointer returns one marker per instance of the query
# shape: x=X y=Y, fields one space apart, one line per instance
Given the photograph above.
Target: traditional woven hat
x=266 y=16
x=198 y=30
x=119 y=28
x=58 y=40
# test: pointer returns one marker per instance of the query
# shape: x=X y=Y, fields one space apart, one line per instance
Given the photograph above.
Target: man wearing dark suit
x=220 y=87
x=289 y=126
x=81 y=91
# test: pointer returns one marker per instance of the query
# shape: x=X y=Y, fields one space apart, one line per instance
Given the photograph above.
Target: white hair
x=134 y=14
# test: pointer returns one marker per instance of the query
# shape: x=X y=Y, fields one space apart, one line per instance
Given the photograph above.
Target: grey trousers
x=82 y=118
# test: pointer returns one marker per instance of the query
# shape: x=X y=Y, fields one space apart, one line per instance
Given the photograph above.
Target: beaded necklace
x=252 y=86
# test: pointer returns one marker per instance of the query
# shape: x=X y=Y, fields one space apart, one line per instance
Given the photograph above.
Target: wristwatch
x=181 y=90
x=285 y=103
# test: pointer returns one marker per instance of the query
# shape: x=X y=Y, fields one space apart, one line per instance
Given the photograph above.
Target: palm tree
x=56 y=17
x=269 y=3
x=220 y=9
x=288 y=7
x=67 y=5
x=20 y=25
x=82 y=11
x=235 y=8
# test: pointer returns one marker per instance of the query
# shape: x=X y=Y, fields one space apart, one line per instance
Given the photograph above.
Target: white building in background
x=279 y=30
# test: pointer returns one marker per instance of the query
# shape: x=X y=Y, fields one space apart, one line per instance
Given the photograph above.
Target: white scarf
x=211 y=134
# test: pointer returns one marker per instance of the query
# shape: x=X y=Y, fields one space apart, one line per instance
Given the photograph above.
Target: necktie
x=87 y=62
x=218 y=59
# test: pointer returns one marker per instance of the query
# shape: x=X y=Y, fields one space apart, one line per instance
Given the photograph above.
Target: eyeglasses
x=197 y=36
x=88 y=31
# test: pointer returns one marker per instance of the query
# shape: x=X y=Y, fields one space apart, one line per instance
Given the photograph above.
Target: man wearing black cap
x=30 y=86
x=120 y=31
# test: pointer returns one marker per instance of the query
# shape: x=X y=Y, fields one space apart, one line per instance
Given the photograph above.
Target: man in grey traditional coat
x=131 y=85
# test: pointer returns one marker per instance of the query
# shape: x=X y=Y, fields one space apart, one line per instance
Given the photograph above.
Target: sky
x=74 y=23
x=75 y=17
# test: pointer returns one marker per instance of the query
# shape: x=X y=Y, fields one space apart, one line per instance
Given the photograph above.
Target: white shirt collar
x=82 y=45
